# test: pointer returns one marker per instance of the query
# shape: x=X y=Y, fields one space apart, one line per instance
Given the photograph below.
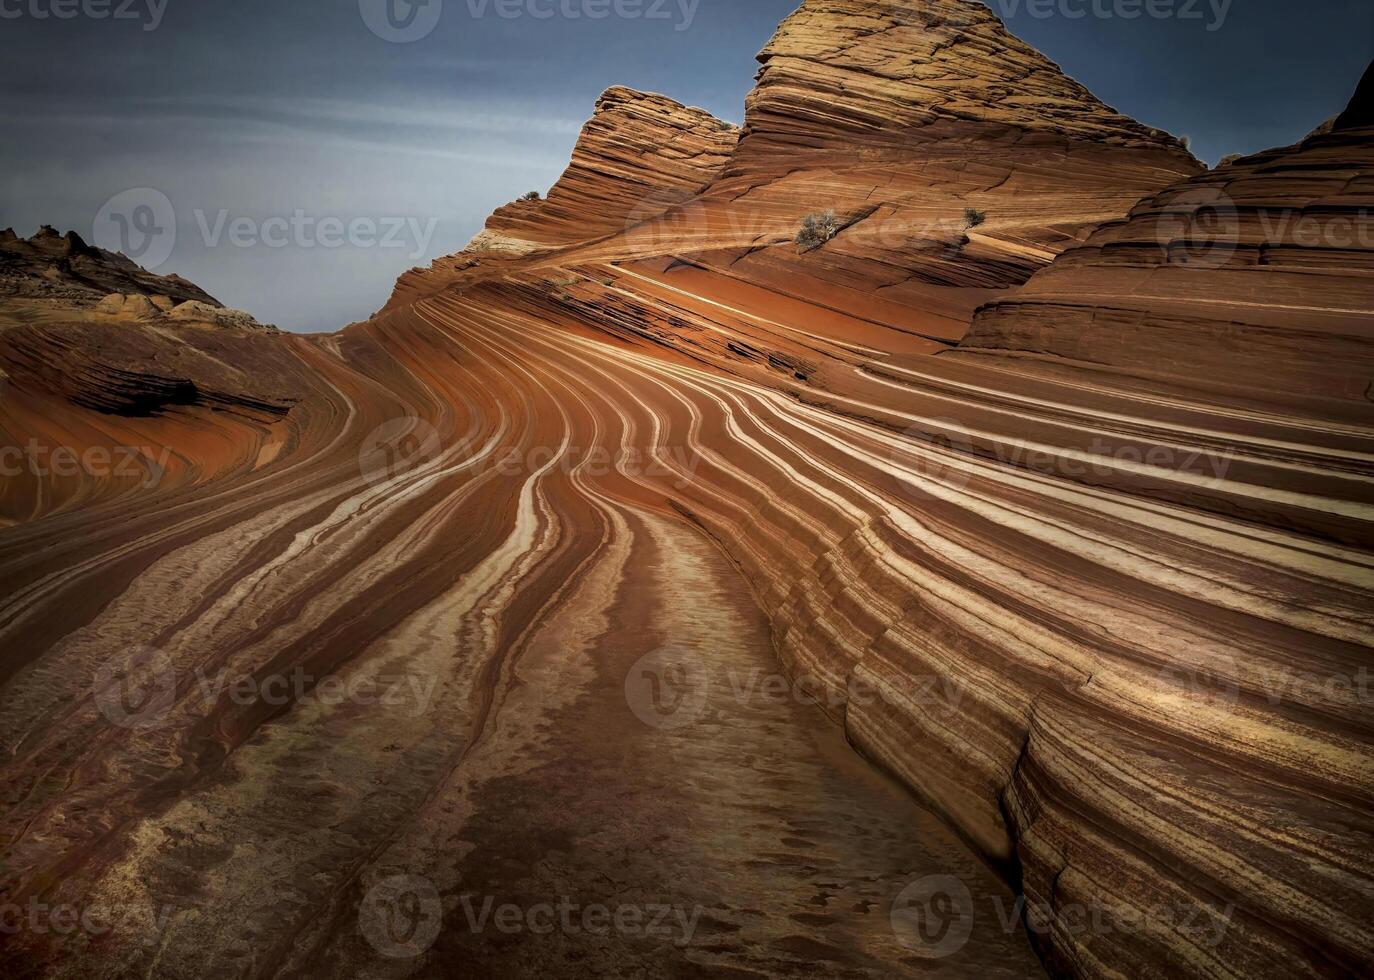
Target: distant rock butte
x=59 y=267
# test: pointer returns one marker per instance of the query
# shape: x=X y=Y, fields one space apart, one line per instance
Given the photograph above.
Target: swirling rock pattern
x=1082 y=562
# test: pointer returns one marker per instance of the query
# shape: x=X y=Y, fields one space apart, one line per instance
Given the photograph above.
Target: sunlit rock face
x=1045 y=476
x=956 y=159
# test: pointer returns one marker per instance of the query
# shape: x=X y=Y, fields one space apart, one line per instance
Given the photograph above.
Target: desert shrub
x=818 y=228
x=973 y=217
x=532 y=196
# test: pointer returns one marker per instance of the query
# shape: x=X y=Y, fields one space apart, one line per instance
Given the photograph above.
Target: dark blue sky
x=238 y=112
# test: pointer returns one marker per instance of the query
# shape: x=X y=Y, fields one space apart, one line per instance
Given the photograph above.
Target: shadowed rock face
x=59 y=268
x=1089 y=577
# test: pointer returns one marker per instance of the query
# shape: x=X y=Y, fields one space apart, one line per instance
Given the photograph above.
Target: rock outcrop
x=56 y=267
x=156 y=369
x=639 y=154
x=1249 y=278
x=957 y=159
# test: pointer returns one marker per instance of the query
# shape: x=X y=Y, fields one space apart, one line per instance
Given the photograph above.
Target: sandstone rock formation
x=872 y=110
x=1061 y=518
x=57 y=267
x=86 y=374
x=639 y=154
